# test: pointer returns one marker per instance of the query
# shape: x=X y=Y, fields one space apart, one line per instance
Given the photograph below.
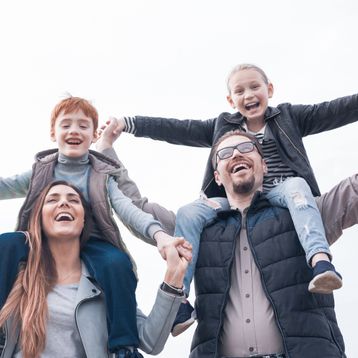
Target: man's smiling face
x=241 y=173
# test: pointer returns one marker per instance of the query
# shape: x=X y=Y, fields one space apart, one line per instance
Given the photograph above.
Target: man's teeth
x=64 y=217
x=239 y=167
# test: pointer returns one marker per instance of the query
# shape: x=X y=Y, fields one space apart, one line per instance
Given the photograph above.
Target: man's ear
x=231 y=102
x=53 y=134
x=270 y=90
x=217 y=177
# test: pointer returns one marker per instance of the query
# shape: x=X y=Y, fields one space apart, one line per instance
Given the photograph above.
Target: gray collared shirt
x=249 y=326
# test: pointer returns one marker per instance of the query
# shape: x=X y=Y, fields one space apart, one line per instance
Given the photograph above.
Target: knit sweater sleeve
x=15 y=186
x=131 y=215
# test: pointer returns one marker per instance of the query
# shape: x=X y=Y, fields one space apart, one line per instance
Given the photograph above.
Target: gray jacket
x=90 y=317
x=19 y=186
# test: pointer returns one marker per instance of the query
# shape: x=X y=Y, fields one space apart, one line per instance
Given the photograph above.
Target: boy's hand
x=109 y=132
x=165 y=244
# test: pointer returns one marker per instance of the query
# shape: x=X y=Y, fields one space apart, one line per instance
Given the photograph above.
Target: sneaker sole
x=181 y=327
x=325 y=283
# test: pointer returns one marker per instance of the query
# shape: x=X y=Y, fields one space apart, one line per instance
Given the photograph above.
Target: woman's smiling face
x=62 y=213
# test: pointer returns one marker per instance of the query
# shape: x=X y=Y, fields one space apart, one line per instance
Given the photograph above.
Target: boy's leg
x=113 y=271
x=339 y=208
x=13 y=250
x=295 y=195
x=190 y=222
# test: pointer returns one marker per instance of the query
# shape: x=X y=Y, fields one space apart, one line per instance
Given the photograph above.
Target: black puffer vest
x=307 y=322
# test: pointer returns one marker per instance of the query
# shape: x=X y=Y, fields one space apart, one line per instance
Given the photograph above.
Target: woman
x=55 y=308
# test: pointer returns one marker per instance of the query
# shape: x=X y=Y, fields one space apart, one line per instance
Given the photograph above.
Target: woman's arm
x=154 y=330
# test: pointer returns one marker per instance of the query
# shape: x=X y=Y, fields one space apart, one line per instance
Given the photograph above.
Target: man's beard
x=244 y=187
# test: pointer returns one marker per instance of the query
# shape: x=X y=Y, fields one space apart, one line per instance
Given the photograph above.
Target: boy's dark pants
x=112 y=270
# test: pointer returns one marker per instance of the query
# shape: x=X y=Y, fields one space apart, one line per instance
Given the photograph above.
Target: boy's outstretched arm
x=141 y=224
x=126 y=185
x=15 y=186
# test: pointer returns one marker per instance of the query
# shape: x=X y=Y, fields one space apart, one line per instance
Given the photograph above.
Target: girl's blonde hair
x=246 y=66
x=27 y=301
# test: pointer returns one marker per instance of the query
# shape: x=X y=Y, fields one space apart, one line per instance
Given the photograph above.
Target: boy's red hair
x=73 y=104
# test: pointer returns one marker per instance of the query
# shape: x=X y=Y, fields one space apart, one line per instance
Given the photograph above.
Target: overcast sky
x=171 y=58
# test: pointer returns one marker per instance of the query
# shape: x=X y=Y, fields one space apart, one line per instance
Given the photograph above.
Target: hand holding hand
x=166 y=242
x=109 y=133
x=176 y=264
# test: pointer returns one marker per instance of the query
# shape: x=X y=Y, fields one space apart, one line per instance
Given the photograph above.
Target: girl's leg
x=190 y=222
x=295 y=195
x=13 y=250
x=113 y=271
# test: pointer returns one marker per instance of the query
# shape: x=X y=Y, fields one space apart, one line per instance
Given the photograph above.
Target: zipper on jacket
x=226 y=291
x=109 y=210
x=6 y=333
x=289 y=139
x=76 y=312
x=265 y=289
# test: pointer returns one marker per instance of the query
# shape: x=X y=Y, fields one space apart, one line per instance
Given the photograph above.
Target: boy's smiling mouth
x=73 y=141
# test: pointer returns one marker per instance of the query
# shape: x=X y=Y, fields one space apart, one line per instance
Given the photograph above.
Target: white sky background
x=171 y=58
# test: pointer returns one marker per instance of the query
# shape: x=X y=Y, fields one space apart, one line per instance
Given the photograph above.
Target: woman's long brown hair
x=27 y=301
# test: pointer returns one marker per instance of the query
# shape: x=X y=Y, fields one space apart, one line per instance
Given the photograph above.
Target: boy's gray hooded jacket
x=101 y=167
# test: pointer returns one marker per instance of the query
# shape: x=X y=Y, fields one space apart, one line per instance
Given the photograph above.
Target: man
x=251 y=276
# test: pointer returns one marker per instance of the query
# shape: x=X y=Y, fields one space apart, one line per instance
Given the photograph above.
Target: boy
x=74 y=123
x=290 y=178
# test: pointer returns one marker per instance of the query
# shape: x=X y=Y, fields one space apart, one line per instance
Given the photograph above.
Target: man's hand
x=166 y=242
x=109 y=132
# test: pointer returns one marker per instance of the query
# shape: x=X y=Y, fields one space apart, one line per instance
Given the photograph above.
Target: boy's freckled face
x=249 y=94
x=74 y=133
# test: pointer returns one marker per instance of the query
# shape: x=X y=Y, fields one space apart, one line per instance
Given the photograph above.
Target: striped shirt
x=277 y=170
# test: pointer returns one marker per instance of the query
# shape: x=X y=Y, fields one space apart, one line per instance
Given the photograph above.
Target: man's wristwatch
x=171 y=289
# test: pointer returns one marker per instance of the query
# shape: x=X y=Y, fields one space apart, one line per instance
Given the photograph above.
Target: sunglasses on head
x=228 y=152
